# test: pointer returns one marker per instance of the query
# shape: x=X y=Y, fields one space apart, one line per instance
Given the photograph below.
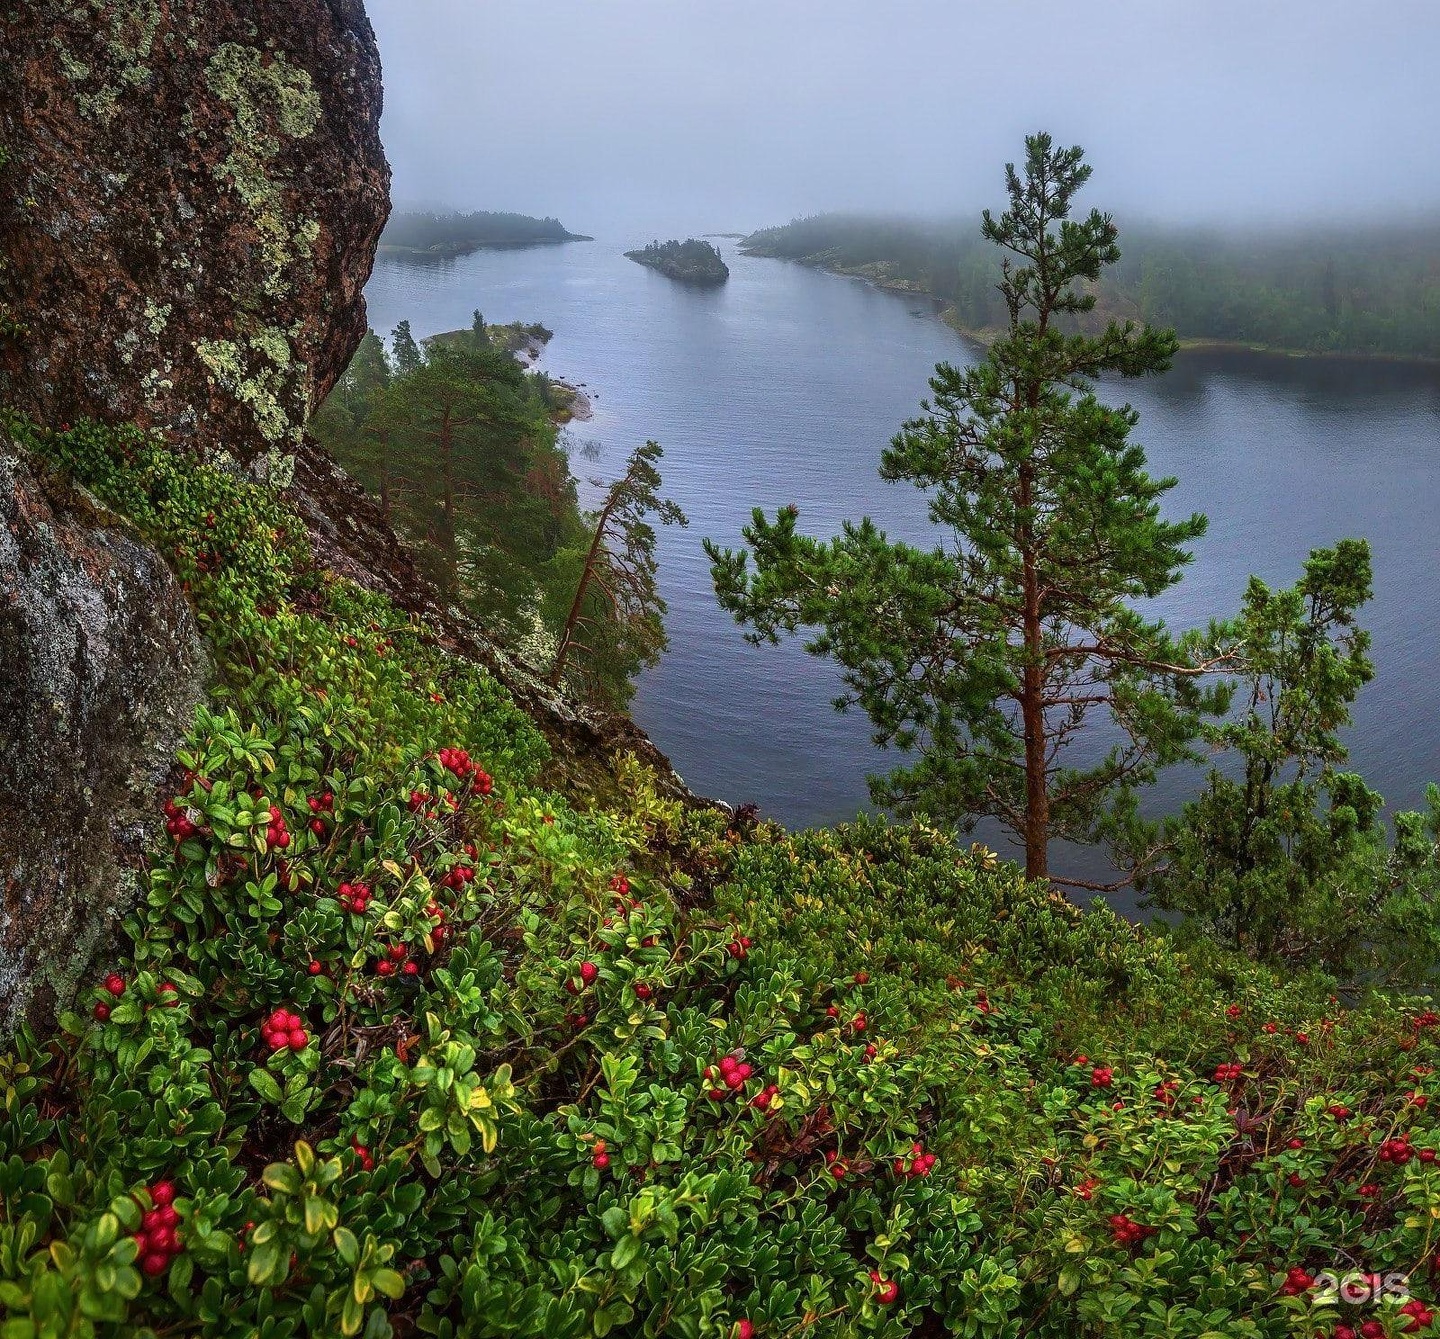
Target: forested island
x=692 y=261
x=443 y=234
x=1357 y=289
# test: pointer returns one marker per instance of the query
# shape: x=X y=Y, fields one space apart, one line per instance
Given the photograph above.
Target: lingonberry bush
x=404 y=1040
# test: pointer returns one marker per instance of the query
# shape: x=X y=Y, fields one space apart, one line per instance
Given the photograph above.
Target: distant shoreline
x=1188 y=344
x=454 y=250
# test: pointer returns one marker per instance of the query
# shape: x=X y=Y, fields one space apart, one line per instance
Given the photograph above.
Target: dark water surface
x=784 y=385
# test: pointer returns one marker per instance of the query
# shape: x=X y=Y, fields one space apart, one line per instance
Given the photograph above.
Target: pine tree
x=406 y=351
x=617 y=608
x=983 y=657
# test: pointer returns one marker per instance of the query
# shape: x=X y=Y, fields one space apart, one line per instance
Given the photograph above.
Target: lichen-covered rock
x=101 y=668
x=189 y=205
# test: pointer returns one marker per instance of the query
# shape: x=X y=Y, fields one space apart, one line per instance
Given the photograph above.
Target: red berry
x=115 y=984
x=744 y=1329
x=101 y=1012
x=411 y=968
x=314 y=968
x=385 y=967
x=162 y=1193
x=397 y=952
x=154 y=1263
x=601 y=1160
x=588 y=972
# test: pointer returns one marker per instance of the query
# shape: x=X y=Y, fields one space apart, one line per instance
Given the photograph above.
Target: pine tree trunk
x=567 y=633
x=1037 y=793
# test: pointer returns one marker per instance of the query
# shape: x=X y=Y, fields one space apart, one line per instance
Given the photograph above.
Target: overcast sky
x=732 y=114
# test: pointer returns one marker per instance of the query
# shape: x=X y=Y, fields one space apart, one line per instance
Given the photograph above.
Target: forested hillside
x=1371 y=289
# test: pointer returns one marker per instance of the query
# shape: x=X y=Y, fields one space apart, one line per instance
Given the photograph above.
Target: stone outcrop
x=189 y=205
x=190 y=200
x=101 y=668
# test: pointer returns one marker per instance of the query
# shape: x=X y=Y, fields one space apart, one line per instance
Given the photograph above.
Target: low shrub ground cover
x=404 y=1042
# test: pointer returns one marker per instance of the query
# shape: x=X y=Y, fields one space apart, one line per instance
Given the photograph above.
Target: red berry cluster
x=1296 y=1282
x=354 y=897
x=275 y=834
x=1102 y=1076
x=458 y=761
x=1233 y=1012
x=397 y=959
x=1127 y=1232
x=919 y=1163
x=177 y=822
x=1338 y=1111
x=744 y=1329
x=1165 y=1092
x=1228 y=1073
x=620 y=884
x=323 y=807
x=588 y=973
x=1428 y=1019
x=457 y=877
x=739 y=947
x=761 y=1101
x=1087 y=1187
x=1421 y=1316
x=887 y=1291
x=285 y=1030
x=732 y=1073
x=1399 y=1151
x=363 y=1155
x=418 y=800
x=113 y=985
x=158 y=1241
x=839 y=1168
x=599 y=1158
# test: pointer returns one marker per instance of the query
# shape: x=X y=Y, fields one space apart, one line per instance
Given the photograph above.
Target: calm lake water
x=785 y=384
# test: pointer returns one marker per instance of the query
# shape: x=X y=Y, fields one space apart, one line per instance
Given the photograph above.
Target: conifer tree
x=615 y=622
x=982 y=657
x=406 y=350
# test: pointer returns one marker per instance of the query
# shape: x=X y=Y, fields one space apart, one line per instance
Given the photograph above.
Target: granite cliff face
x=189 y=208
x=101 y=668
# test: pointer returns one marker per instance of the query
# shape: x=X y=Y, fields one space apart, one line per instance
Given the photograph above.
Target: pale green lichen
x=262 y=389
x=270 y=101
x=156 y=317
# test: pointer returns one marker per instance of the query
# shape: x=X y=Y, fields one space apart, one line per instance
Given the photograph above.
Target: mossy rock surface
x=189 y=208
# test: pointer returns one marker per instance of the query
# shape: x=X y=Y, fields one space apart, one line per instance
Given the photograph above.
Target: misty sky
x=710 y=115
